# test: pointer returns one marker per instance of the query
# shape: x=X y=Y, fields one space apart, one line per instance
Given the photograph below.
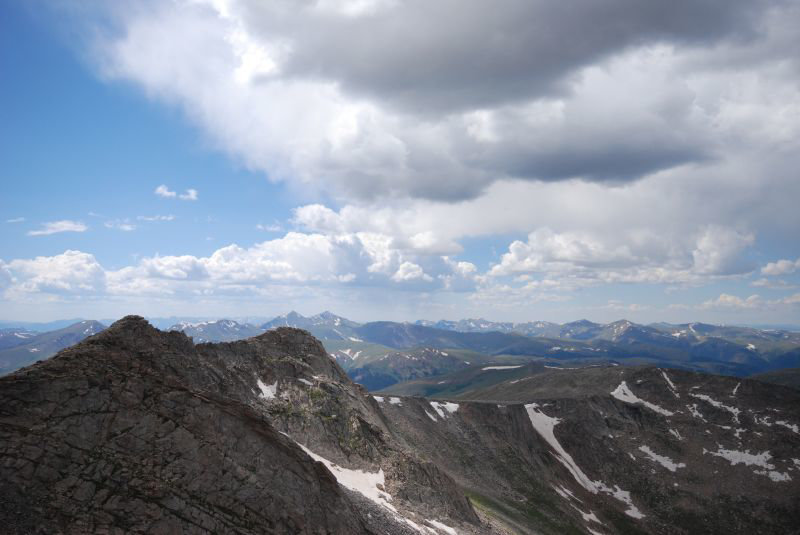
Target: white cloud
x=409 y=271
x=189 y=195
x=16 y=220
x=120 y=224
x=156 y=218
x=781 y=267
x=636 y=255
x=369 y=122
x=55 y=227
x=269 y=228
x=719 y=251
x=72 y=272
x=165 y=192
x=774 y=284
x=635 y=157
x=733 y=302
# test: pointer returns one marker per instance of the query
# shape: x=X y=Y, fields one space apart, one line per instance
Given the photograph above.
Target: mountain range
x=20 y=347
x=382 y=353
x=140 y=430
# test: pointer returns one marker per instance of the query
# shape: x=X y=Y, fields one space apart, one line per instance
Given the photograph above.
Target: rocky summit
x=135 y=430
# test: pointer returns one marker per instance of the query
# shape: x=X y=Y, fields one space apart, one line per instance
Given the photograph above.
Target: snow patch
x=442 y=527
x=774 y=475
x=566 y=493
x=440 y=408
x=743 y=457
x=395 y=401
x=787 y=425
x=267 y=391
x=623 y=393
x=365 y=483
x=695 y=412
x=675 y=433
x=736 y=388
x=544 y=425
x=666 y=462
x=431 y=416
x=306 y=382
x=379 y=399
x=354 y=339
x=671 y=384
x=733 y=410
x=588 y=517
x=501 y=367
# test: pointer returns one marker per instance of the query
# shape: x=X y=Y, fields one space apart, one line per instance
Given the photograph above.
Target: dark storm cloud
x=430 y=57
x=373 y=100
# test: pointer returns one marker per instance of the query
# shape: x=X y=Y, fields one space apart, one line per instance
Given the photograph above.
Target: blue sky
x=649 y=175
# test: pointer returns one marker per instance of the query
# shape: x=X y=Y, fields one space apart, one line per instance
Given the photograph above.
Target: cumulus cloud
x=364 y=260
x=165 y=193
x=635 y=256
x=409 y=271
x=189 y=195
x=621 y=142
x=54 y=227
x=72 y=272
x=324 y=96
x=781 y=267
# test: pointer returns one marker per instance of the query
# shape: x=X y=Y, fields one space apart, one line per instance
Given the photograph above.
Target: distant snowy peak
x=325 y=325
x=224 y=330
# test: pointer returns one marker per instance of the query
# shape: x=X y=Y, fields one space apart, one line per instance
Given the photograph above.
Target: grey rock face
x=107 y=437
x=140 y=431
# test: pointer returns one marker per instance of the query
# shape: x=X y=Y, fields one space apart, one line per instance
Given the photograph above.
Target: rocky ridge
x=136 y=430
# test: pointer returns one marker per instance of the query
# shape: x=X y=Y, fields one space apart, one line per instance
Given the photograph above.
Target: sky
x=401 y=160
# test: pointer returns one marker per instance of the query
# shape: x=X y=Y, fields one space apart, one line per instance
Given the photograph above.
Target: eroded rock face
x=138 y=430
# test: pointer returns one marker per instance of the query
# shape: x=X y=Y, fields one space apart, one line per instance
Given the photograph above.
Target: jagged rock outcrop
x=141 y=431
